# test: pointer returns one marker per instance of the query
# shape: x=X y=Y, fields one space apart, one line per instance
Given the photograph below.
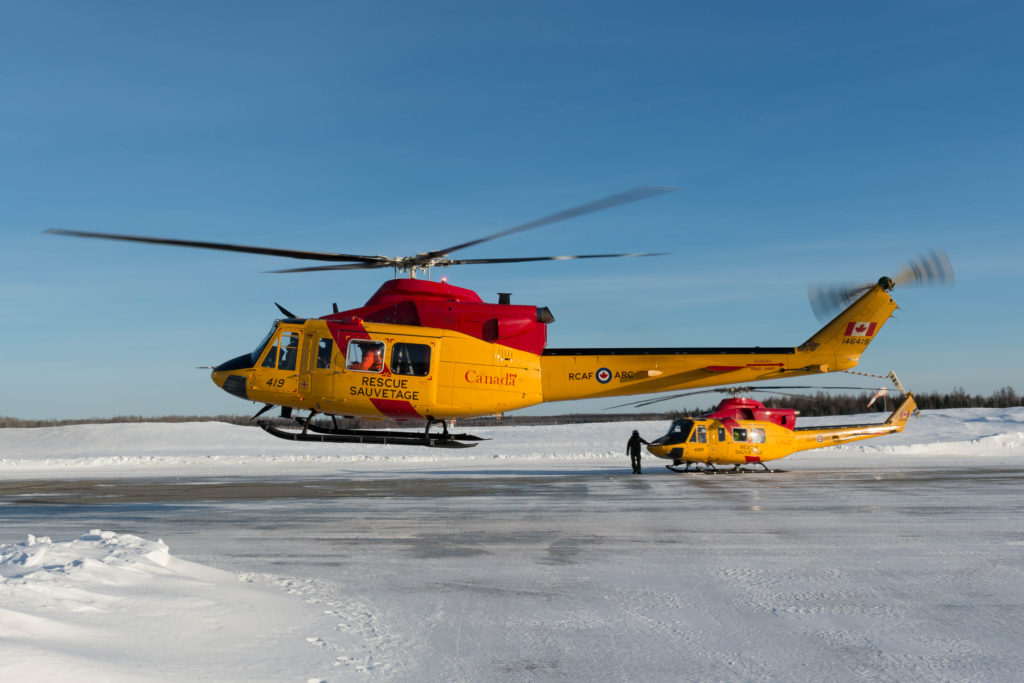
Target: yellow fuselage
x=711 y=441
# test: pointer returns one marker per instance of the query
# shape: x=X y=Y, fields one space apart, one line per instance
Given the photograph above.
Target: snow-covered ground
x=533 y=556
x=218 y=449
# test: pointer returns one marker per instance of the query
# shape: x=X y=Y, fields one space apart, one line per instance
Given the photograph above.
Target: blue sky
x=813 y=142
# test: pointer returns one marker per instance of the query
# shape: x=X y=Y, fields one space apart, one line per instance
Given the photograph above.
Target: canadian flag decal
x=860 y=329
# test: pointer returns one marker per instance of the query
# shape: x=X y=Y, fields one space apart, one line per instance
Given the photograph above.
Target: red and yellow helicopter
x=743 y=432
x=421 y=350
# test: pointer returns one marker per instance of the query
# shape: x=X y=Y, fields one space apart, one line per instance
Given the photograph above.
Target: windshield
x=263 y=344
x=680 y=429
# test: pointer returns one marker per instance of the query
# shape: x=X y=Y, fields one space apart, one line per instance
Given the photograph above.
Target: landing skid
x=711 y=469
x=322 y=434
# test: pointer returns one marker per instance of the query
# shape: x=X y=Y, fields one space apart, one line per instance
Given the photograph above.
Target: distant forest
x=847 y=404
x=821 y=403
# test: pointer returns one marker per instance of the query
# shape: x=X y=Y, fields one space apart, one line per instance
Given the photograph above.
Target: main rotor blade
x=444 y=263
x=771 y=388
x=386 y=263
x=268 y=251
x=651 y=401
x=474 y=261
x=599 y=205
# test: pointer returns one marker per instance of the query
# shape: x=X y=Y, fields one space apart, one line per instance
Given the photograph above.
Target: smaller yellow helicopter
x=743 y=432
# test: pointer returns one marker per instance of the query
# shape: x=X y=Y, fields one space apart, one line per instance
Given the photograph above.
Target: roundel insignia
x=819 y=439
x=604 y=375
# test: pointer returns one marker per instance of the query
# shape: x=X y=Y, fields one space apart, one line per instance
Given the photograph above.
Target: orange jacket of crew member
x=371 y=360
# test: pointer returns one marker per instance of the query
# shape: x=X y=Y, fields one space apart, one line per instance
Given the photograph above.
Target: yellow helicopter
x=427 y=351
x=743 y=432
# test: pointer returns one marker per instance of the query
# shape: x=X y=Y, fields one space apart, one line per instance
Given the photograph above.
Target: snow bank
x=110 y=606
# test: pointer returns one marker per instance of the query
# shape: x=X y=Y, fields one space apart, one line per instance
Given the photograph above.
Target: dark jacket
x=633 y=445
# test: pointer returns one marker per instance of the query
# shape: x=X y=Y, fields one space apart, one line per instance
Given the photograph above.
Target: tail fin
x=847 y=335
x=903 y=412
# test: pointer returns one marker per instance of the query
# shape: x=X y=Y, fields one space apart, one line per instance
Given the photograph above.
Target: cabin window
x=700 y=435
x=365 y=355
x=721 y=433
x=284 y=352
x=410 y=359
x=739 y=434
x=325 y=348
x=756 y=435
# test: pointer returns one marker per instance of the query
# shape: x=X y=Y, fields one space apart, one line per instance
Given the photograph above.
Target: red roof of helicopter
x=749 y=409
x=427 y=303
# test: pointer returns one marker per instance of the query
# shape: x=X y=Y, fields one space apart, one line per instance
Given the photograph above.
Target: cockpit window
x=699 y=435
x=271 y=360
x=680 y=429
x=365 y=355
x=284 y=353
x=289 y=351
x=324 y=349
x=258 y=351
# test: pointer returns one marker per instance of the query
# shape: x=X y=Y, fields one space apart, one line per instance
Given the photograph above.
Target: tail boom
x=570 y=374
x=818 y=437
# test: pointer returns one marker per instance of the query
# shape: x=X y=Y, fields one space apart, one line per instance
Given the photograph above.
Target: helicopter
x=743 y=432
x=427 y=351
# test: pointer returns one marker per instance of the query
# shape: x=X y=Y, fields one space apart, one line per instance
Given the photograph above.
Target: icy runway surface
x=899 y=560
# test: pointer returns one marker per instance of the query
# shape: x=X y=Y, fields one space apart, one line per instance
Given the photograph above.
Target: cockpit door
x=316 y=384
x=279 y=366
x=697 y=447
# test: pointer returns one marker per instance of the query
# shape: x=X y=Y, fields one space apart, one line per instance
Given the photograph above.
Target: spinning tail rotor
x=931 y=268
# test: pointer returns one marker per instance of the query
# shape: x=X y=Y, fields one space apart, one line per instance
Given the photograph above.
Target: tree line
x=823 y=403
x=820 y=403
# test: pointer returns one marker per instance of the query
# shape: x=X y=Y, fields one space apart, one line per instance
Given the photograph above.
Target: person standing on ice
x=633 y=449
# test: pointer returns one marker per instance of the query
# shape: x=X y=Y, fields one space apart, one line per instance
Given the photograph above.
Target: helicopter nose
x=229 y=375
